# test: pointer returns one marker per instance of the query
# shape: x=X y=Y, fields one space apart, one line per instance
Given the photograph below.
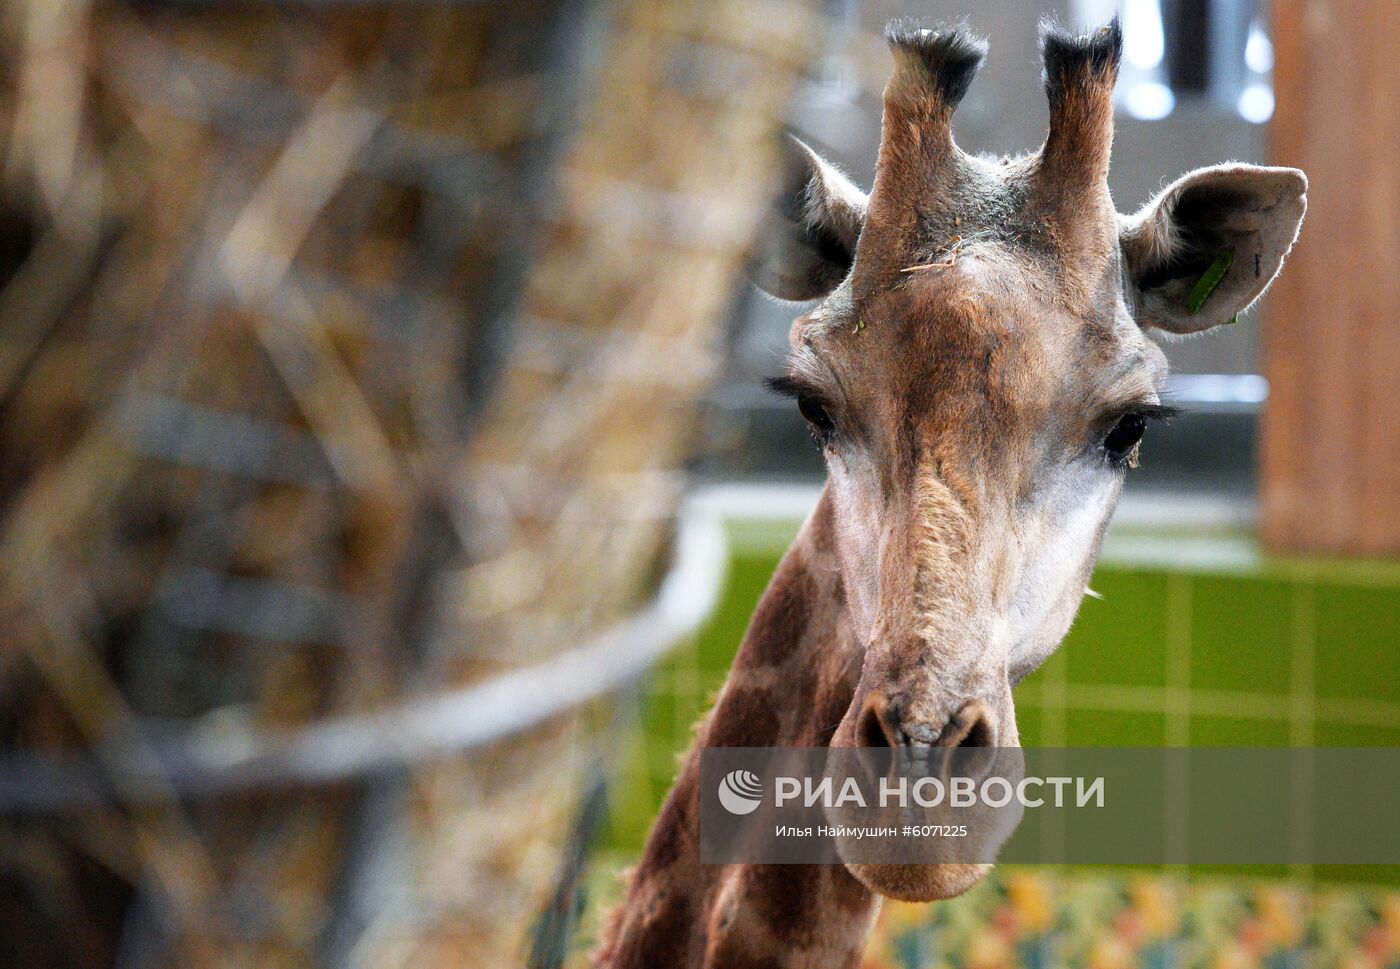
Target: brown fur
x=744 y=915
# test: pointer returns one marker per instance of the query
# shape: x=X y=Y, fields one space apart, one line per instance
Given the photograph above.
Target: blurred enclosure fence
x=348 y=363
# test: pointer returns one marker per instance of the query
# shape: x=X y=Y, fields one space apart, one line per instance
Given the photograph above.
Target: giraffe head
x=978 y=373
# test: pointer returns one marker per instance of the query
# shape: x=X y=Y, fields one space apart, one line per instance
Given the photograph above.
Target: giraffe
x=977 y=372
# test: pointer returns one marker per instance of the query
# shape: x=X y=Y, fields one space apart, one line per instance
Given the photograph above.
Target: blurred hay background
x=347 y=355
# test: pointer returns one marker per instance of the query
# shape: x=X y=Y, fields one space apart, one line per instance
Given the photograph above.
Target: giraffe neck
x=790 y=684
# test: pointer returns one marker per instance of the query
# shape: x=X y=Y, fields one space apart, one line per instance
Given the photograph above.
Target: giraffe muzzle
x=884 y=724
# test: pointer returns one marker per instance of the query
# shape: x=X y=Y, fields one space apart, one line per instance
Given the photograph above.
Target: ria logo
x=740 y=791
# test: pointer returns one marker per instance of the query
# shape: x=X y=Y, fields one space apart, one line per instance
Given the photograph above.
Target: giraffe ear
x=1208 y=246
x=808 y=241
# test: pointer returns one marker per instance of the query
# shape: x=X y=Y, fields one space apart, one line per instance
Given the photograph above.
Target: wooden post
x=1330 y=461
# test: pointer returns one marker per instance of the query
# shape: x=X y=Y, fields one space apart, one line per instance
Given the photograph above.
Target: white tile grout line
x=1055 y=729
x=1303 y=662
x=1055 y=705
x=1177 y=714
x=1204 y=702
x=1302 y=711
x=1178 y=660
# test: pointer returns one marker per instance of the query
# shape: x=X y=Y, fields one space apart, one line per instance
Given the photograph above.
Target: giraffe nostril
x=877 y=726
x=880 y=726
x=971 y=726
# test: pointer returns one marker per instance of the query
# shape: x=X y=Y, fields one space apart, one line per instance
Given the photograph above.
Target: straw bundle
x=325 y=383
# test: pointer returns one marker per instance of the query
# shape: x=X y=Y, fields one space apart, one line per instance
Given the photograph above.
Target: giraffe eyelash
x=1152 y=412
x=786 y=385
x=811 y=404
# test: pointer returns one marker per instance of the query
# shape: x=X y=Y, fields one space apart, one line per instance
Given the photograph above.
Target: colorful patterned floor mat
x=1039 y=920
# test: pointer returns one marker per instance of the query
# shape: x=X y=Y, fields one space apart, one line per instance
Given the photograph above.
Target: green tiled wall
x=1243 y=652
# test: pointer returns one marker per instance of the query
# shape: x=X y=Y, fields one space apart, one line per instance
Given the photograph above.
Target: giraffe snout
x=885 y=724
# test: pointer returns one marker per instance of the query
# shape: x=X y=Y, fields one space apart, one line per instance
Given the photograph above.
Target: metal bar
x=354 y=746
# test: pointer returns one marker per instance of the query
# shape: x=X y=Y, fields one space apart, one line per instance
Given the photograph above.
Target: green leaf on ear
x=1208 y=281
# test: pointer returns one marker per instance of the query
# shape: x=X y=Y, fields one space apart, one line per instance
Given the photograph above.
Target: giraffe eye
x=816 y=416
x=809 y=405
x=1121 y=443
